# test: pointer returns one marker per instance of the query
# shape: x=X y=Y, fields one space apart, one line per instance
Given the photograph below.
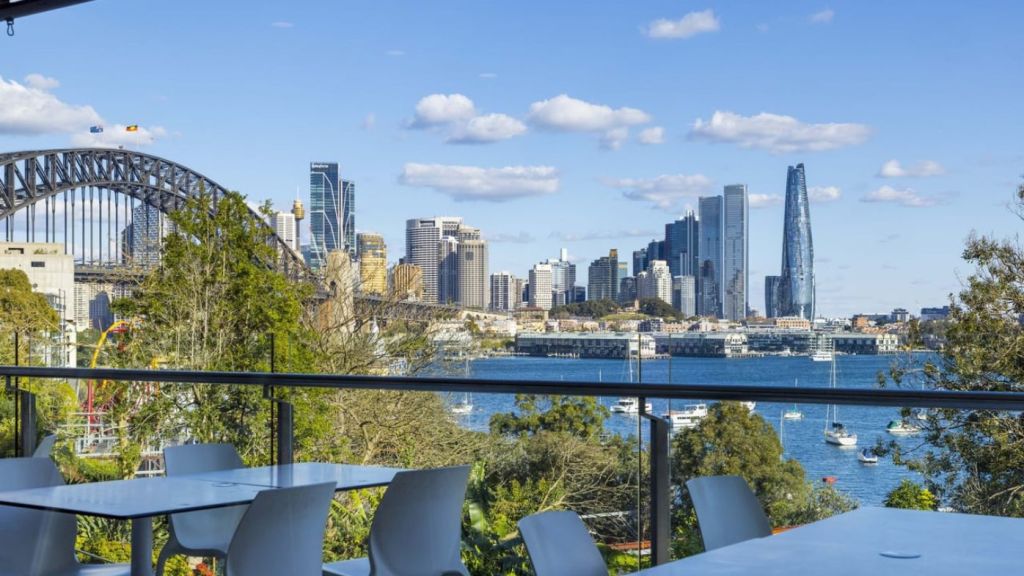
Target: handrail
x=972 y=400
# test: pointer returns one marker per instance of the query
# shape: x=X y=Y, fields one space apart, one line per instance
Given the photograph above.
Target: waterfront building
x=857 y=343
x=796 y=291
x=540 y=286
x=285 y=227
x=474 y=291
x=373 y=263
x=709 y=278
x=684 y=295
x=51 y=273
x=585 y=344
x=682 y=239
x=407 y=282
x=348 y=215
x=771 y=296
x=791 y=323
x=639 y=261
x=325 y=213
x=505 y=292
x=602 y=277
x=142 y=239
x=735 y=248
x=702 y=344
x=423 y=248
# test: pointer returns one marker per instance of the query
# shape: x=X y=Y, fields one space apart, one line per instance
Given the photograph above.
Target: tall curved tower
x=796 y=284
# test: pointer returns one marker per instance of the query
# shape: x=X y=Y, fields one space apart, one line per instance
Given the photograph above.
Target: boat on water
x=689 y=417
x=867 y=456
x=835 y=432
x=824 y=350
x=463 y=407
x=901 y=428
x=793 y=413
x=823 y=356
x=629 y=406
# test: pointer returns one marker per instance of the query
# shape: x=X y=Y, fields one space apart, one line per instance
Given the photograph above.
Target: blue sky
x=569 y=124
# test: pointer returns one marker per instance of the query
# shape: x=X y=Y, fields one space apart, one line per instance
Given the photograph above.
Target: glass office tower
x=325 y=212
x=796 y=285
x=348 y=206
x=709 y=277
x=735 y=242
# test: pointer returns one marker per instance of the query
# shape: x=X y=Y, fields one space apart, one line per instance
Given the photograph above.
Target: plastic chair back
x=727 y=511
x=34 y=541
x=560 y=545
x=282 y=532
x=202 y=529
x=45 y=448
x=417 y=528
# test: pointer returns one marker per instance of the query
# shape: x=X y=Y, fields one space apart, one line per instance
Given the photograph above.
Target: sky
x=583 y=125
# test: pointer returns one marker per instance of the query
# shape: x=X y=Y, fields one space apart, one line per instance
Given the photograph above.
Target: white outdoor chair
x=206 y=533
x=37 y=542
x=45 y=447
x=282 y=532
x=727 y=511
x=560 y=545
x=417 y=528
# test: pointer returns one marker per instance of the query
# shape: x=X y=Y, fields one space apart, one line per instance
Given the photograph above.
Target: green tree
x=659 y=309
x=588 y=309
x=580 y=416
x=911 y=496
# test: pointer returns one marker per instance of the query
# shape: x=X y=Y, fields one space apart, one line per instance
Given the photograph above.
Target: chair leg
x=161 y=560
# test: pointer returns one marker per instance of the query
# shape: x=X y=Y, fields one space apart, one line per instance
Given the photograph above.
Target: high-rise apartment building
x=771 y=296
x=627 y=289
x=448 y=270
x=682 y=239
x=640 y=260
x=655 y=282
x=423 y=248
x=735 y=248
x=142 y=238
x=603 y=277
x=348 y=215
x=373 y=263
x=407 y=282
x=684 y=295
x=505 y=295
x=709 y=277
x=796 y=292
x=474 y=291
x=540 y=286
x=563 y=279
x=325 y=213
x=284 y=226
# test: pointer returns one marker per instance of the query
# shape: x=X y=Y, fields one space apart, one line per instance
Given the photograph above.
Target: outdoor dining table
x=870 y=541
x=141 y=499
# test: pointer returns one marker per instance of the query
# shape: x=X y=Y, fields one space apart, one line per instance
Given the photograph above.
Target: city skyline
x=903 y=160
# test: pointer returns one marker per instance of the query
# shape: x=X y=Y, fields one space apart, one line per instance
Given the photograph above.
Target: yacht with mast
x=835 y=432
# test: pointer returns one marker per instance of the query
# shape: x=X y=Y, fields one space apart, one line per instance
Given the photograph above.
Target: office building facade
x=348 y=215
x=709 y=278
x=796 y=292
x=771 y=296
x=504 y=292
x=540 y=286
x=684 y=295
x=603 y=277
x=735 y=248
x=407 y=282
x=423 y=248
x=373 y=263
x=474 y=291
x=325 y=213
x=284 y=226
x=682 y=239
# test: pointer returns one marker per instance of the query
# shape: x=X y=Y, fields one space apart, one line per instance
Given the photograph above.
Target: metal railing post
x=27 y=433
x=661 y=495
x=285 y=432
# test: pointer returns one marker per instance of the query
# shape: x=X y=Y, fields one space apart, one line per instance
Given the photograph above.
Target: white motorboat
x=689 y=417
x=823 y=356
x=824 y=349
x=750 y=406
x=463 y=407
x=901 y=428
x=866 y=456
x=629 y=406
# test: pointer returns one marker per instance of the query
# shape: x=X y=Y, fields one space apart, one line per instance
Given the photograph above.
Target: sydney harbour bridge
x=84 y=198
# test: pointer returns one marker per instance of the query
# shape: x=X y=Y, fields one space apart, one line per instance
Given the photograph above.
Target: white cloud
x=465 y=183
x=438 y=109
x=487 y=128
x=614 y=138
x=893 y=169
x=568 y=114
x=28 y=110
x=690 y=25
x=369 y=121
x=824 y=193
x=652 y=135
x=777 y=133
x=40 y=82
x=902 y=196
x=823 y=17
x=117 y=135
x=488 y=75
x=666 y=191
x=282 y=24
x=764 y=200
x=395 y=53
x=521 y=237
x=605 y=235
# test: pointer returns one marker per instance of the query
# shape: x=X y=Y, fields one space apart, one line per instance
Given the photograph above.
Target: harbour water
x=802 y=440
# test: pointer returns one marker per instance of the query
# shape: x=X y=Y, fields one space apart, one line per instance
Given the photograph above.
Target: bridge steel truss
x=33 y=177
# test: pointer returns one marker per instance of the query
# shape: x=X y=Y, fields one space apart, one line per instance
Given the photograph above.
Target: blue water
x=802 y=440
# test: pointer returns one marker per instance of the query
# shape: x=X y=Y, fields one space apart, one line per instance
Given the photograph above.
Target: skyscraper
x=709 y=277
x=540 y=286
x=682 y=238
x=348 y=206
x=284 y=226
x=448 y=270
x=655 y=282
x=771 y=296
x=373 y=263
x=325 y=213
x=640 y=259
x=796 y=283
x=141 y=240
x=474 y=291
x=563 y=278
x=504 y=292
x=684 y=295
x=422 y=248
x=735 y=246
x=407 y=282
x=602 y=277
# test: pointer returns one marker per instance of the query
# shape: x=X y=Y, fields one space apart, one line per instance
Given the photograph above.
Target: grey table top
x=147 y=497
x=864 y=541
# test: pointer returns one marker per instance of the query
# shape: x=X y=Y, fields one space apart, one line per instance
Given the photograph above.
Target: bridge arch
x=30 y=177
